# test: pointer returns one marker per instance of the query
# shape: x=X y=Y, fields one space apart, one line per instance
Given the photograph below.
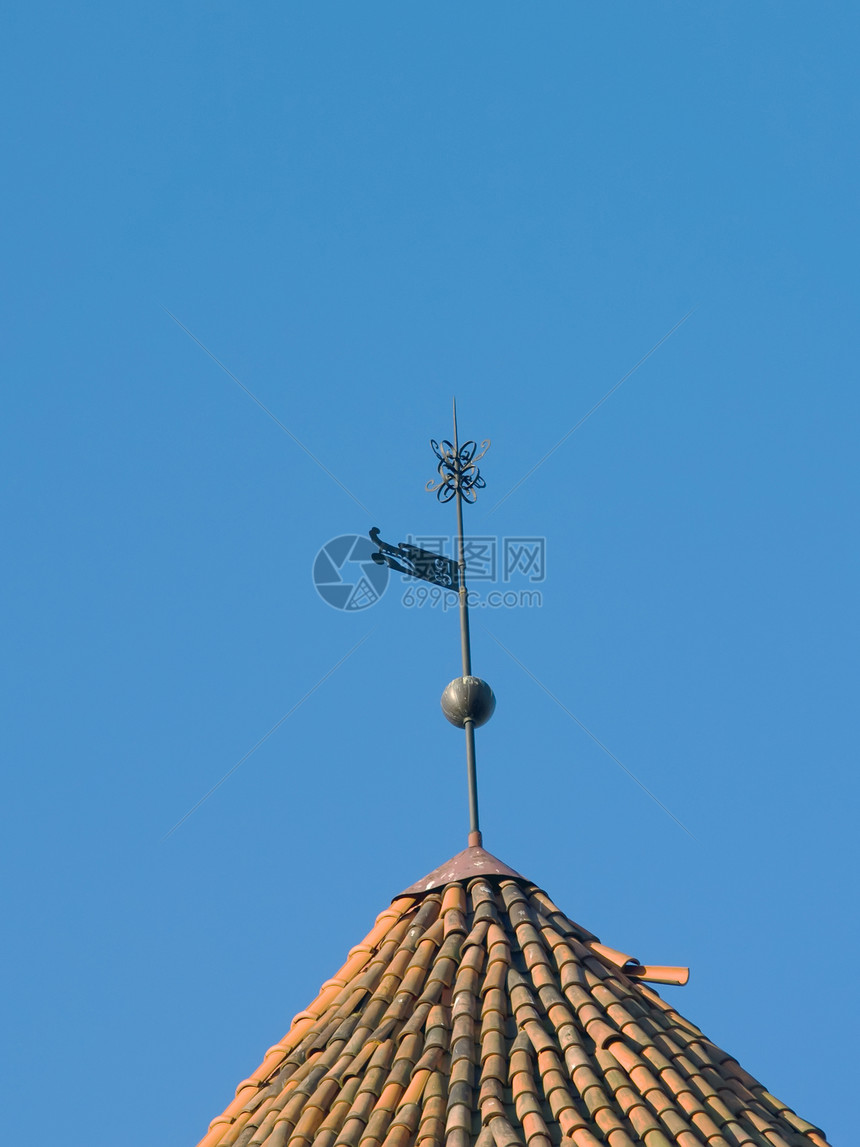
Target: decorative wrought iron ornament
x=467 y=701
x=423 y=564
x=457 y=470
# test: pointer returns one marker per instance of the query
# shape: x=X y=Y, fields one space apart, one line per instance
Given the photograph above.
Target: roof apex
x=471 y=862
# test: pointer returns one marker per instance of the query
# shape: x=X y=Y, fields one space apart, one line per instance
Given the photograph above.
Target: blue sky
x=361 y=210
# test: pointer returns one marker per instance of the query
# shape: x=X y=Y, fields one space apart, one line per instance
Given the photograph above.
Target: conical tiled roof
x=476 y=1014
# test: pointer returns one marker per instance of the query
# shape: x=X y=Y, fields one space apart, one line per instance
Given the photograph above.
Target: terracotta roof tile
x=475 y=1013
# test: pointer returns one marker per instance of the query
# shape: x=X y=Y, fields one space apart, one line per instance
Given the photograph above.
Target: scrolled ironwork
x=457 y=470
x=415 y=562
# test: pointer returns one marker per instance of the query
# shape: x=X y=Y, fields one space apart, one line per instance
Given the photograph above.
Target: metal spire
x=468 y=702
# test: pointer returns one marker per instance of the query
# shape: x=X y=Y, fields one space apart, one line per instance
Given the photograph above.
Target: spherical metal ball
x=468 y=698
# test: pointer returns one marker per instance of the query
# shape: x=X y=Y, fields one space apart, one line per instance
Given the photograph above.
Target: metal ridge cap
x=472 y=862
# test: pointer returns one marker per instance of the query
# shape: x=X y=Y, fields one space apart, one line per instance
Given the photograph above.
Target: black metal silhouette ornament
x=415 y=562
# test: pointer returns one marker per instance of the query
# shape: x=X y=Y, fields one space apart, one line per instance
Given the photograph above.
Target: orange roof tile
x=477 y=1013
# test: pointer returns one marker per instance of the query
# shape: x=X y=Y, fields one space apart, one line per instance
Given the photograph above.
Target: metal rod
x=465 y=643
x=472 y=777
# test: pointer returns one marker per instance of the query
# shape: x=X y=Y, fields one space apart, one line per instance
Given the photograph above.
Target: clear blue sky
x=361 y=209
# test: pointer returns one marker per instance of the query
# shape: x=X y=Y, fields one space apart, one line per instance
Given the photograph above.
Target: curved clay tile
x=476 y=1014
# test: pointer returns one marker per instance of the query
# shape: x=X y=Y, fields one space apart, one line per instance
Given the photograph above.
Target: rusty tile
x=524 y=929
x=612 y=1128
x=491 y=1089
x=654 y=1137
x=455 y=923
x=235 y=1129
x=278 y=1136
x=408 y=1113
x=465 y=1001
x=493 y=1000
x=454 y=898
x=573 y=1051
x=496 y=975
x=703 y=1123
x=400 y=1134
x=493 y=1066
x=492 y=1022
x=473 y=956
x=307 y=1125
x=431 y=1128
x=390 y=1096
x=580 y=1137
x=462 y=1069
x=568 y=1116
x=525 y=1097
x=261 y=1135
x=438 y=1029
x=497 y=941
x=503 y=1133
x=459 y=1116
x=534 y=1128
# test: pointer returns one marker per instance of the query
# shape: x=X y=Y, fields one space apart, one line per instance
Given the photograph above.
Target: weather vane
x=468 y=702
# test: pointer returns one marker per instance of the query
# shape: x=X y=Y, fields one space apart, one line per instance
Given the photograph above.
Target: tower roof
x=475 y=1013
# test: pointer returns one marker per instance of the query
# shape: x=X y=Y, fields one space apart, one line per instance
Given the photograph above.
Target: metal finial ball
x=468 y=698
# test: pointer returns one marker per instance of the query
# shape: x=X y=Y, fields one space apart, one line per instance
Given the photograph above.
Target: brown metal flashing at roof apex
x=471 y=862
